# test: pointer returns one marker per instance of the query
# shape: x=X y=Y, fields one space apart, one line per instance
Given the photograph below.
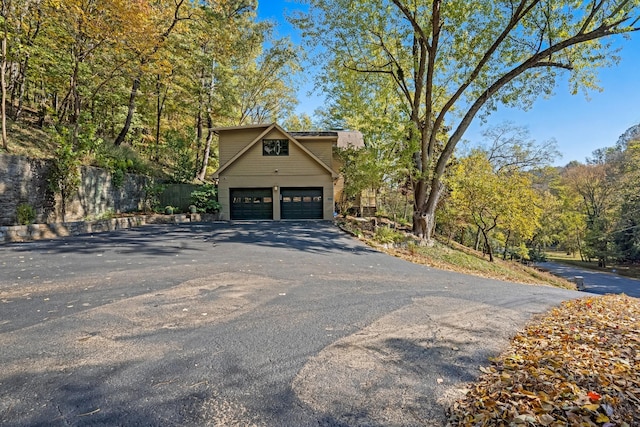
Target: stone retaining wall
x=24 y=180
x=23 y=233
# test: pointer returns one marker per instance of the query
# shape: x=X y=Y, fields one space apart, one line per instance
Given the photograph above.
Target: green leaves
x=433 y=66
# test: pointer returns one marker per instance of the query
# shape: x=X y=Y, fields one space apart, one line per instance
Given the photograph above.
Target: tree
x=494 y=200
x=263 y=89
x=448 y=61
x=597 y=192
x=510 y=147
x=146 y=52
x=298 y=123
x=4 y=14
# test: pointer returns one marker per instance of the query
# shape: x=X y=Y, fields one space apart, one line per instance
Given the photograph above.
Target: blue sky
x=578 y=125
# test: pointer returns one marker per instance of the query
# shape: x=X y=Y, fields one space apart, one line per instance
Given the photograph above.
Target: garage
x=251 y=203
x=301 y=203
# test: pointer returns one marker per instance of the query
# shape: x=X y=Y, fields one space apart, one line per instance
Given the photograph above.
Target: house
x=269 y=173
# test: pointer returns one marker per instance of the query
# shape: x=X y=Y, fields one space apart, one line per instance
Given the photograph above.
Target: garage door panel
x=251 y=203
x=302 y=203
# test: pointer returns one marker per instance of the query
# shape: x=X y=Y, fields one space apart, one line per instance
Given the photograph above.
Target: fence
x=178 y=195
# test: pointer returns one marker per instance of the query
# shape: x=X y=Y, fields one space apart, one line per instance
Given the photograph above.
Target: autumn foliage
x=576 y=366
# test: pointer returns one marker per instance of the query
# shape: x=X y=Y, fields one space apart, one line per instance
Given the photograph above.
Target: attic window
x=275 y=147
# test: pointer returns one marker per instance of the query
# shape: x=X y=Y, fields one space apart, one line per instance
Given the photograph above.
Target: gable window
x=275 y=147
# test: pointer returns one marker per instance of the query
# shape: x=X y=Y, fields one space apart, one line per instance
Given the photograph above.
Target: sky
x=579 y=125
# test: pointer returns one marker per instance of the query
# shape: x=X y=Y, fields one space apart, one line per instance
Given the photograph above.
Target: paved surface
x=594 y=281
x=268 y=324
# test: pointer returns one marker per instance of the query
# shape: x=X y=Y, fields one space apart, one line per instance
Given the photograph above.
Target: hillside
x=447 y=255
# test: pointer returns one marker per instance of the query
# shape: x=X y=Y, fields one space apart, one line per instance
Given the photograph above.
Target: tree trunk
x=3 y=76
x=207 y=150
x=159 y=108
x=132 y=106
x=424 y=218
x=198 y=139
x=75 y=95
x=506 y=246
x=21 y=81
x=463 y=232
x=487 y=245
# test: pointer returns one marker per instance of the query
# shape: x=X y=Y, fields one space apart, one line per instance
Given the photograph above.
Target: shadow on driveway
x=166 y=240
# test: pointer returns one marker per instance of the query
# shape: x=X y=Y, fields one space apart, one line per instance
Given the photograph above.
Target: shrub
x=119 y=161
x=25 y=214
x=64 y=175
x=388 y=235
x=205 y=199
x=152 y=194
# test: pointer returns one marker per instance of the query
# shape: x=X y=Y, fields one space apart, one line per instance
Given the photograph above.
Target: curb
x=27 y=233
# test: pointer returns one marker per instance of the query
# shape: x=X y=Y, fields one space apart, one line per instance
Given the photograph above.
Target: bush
x=64 y=175
x=25 y=214
x=537 y=255
x=388 y=235
x=205 y=199
x=152 y=194
x=119 y=161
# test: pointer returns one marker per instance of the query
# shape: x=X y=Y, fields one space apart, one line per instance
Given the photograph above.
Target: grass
x=29 y=141
x=574 y=260
x=451 y=256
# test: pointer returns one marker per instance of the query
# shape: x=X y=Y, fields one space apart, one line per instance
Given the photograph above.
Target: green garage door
x=251 y=203
x=301 y=203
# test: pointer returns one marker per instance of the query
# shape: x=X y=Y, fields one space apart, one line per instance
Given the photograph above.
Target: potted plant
x=168 y=210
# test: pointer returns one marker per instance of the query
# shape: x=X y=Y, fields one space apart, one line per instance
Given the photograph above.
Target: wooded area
x=155 y=76
x=137 y=86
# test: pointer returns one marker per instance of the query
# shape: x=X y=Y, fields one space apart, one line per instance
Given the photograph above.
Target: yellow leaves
x=577 y=366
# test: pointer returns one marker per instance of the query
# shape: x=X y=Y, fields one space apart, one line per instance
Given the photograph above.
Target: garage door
x=301 y=203
x=251 y=203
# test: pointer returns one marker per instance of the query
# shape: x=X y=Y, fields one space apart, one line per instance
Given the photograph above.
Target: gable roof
x=269 y=128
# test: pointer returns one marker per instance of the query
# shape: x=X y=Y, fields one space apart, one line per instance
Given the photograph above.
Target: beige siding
x=338 y=189
x=322 y=149
x=253 y=163
x=231 y=142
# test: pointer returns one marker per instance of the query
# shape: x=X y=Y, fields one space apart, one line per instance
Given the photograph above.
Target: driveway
x=266 y=324
x=595 y=281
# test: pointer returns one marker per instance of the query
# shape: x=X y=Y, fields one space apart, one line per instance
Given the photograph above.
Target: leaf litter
x=577 y=365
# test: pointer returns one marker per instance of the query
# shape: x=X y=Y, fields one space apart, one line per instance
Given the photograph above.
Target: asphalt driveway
x=595 y=281
x=267 y=324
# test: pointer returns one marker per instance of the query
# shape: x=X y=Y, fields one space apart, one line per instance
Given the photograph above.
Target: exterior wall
x=253 y=163
x=339 y=184
x=253 y=170
x=231 y=142
x=322 y=149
